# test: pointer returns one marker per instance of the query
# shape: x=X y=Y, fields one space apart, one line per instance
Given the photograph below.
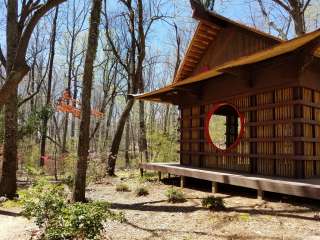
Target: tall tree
x=19 y=30
x=138 y=25
x=49 y=87
x=74 y=25
x=84 y=135
x=32 y=12
x=8 y=185
x=141 y=47
x=130 y=67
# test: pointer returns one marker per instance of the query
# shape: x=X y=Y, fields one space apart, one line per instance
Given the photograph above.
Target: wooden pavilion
x=272 y=86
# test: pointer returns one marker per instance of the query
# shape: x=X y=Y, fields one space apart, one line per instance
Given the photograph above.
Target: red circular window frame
x=241 y=132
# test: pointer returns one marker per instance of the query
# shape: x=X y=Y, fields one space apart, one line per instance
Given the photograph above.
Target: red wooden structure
x=273 y=84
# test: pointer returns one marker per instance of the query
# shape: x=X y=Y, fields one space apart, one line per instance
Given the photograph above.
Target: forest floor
x=152 y=217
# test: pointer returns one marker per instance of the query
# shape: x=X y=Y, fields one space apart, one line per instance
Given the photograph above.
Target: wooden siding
x=230 y=44
x=282 y=127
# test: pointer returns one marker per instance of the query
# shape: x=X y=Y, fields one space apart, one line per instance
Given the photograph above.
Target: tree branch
x=2 y=58
x=33 y=94
x=112 y=45
x=26 y=35
x=305 y=6
x=55 y=142
x=269 y=22
x=283 y=5
x=12 y=82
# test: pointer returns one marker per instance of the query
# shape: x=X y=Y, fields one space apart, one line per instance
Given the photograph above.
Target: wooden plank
x=301 y=188
x=258 y=155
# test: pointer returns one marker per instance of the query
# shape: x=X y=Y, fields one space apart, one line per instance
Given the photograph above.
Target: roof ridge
x=198 y=11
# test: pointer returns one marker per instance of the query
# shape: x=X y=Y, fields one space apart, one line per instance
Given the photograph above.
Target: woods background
x=140 y=47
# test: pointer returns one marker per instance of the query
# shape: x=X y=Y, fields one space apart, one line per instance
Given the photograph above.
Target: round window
x=224 y=126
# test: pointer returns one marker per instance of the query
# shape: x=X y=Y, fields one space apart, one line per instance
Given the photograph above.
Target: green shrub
x=175 y=195
x=96 y=171
x=141 y=191
x=164 y=146
x=58 y=219
x=43 y=202
x=213 y=203
x=149 y=177
x=122 y=187
x=68 y=180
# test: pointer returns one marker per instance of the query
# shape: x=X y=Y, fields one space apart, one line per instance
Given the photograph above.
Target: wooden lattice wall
x=282 y=135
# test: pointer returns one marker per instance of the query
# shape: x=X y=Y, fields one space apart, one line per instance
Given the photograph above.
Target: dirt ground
x=152 y=217
x=13 y=226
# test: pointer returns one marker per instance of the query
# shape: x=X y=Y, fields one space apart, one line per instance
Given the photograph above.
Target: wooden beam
x=214 y=187
x=190 y=60
x=199 y=46
x=182 y=181
x=197 y=51
x=260 y=194
x=206 y=36
x=303 y=188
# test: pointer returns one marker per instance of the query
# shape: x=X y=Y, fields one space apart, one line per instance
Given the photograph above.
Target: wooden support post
x=182 y=181
x=260 y=194
x=159 y=176
x=141 y=172
x=214 y=187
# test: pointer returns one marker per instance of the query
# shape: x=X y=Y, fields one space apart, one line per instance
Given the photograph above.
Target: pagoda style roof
x=209 y=26
x=272 y=52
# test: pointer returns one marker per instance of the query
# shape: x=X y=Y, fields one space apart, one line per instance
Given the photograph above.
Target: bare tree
x=8 y=185
x=84 y=135
x=49 y=87
x=74 y=26
x=294 y=8
x=138 y=24
x=31 y=13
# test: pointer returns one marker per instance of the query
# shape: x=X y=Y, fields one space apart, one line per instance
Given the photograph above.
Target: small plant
x=141 y=191
x=57 y=219
x=122 y=187
x=68 y=180
x=175 y=195
x=245 y=217
x=213 y=203
x=149 y=177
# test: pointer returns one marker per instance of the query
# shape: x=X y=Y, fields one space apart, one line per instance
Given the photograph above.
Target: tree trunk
x=166 y=119
x=8 y=181
x=296 y=9
x=70 y=67
x=83 y=146
x=143 y=146
x=8 y=185
x=48 y=100
x=75 y=95
x=127 y=143
x=109 y=118
x=297 y=14
x=117 y=138
x=133 y=139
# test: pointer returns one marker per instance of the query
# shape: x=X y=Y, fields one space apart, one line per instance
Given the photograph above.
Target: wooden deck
x=298 y=187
